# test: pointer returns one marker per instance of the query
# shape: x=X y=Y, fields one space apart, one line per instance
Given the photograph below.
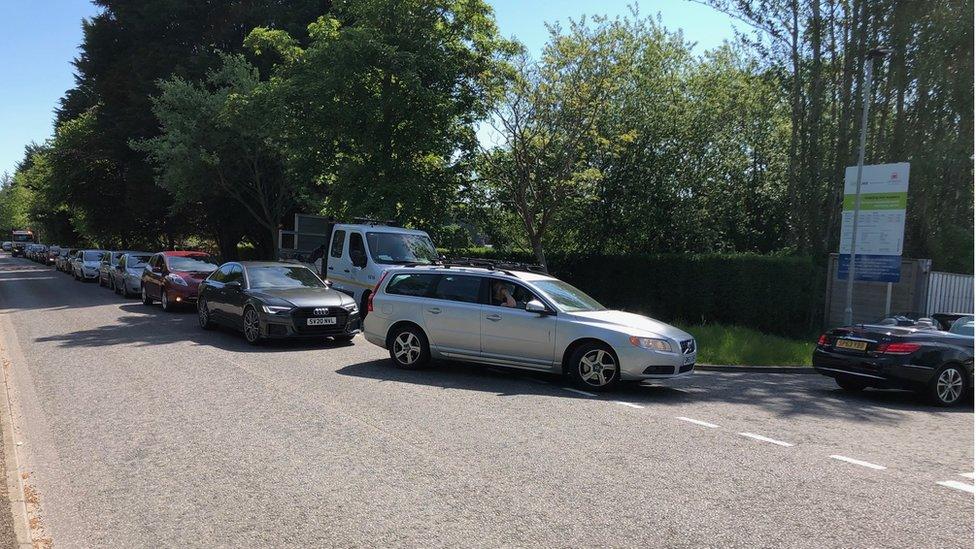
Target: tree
x=221 y=131
x=382 y=102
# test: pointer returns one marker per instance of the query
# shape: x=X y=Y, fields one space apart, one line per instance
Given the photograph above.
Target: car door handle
x=331 y=268
x=494 y=318
x=434 y=311
x=345 y=270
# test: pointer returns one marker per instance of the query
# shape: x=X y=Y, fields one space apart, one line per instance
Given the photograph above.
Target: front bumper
x=637 y=363
x=295 y=324
x=181 y=294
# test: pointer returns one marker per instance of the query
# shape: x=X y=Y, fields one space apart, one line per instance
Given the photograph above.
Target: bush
x=774 y=294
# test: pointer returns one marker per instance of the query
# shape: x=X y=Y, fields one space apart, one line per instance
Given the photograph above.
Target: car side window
x=338 y=240
x=501 y=288
x=221 y=274
x=107 y=257
x=236 y=274
x=121 y=264
x=411 y=284
x=357 y=250
x=458 y=288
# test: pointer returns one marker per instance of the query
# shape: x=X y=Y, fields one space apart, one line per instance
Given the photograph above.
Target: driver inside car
x=502 y=296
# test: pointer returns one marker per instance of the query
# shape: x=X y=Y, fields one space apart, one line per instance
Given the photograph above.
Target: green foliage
x=738 y=289
x=380 y=105
x=15 y=202
x=738 y=346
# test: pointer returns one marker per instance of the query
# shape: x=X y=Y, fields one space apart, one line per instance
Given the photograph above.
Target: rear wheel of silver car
x=252 y=326
x=409 y=348
x=203 y=314
x=146 y=300
x=594 y=367
x=948 y=386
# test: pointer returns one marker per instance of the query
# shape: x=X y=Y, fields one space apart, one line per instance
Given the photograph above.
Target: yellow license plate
x=849 y=344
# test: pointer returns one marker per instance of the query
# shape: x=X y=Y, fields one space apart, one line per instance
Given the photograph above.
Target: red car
x=172 y=278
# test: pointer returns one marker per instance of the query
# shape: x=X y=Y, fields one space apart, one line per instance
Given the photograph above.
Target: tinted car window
x=236 y=275
x=192 y=263
x=136 y=261
x=221 y=274
x=963 y=326
x=338 y=239
x=458 y=288
x=410 y=284
x=282 y=276
x=91 y=256
x=357 y=250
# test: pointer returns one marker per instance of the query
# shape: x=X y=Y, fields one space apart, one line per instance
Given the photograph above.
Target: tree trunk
x=540 y=254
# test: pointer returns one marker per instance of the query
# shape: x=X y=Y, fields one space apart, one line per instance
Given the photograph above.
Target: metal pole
x=888 y=302
x=849 y=307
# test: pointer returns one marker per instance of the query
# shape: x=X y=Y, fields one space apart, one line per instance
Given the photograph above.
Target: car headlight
x=275 y=309
x=352 y=308
x=176 y=279
x=652 y=343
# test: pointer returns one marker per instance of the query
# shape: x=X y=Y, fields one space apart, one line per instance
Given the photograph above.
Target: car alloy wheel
x=949 y=386
x=203 y=314
x=146 y=300
x=597 y=368
x=252 y=326
x=406 y=348
x=164 y=301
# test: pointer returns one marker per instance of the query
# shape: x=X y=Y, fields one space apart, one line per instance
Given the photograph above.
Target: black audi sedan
x=893 y=355
x=266 y=300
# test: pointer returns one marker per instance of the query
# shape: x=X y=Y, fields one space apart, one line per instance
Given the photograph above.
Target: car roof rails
x=369 y=221
x=500 y=265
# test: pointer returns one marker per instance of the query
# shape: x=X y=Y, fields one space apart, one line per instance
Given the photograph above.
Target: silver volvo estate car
x=522 y=319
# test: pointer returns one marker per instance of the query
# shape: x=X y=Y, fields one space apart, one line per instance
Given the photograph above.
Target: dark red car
x=172 y=278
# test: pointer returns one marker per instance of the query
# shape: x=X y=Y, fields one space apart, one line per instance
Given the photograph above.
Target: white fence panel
x=949 y=293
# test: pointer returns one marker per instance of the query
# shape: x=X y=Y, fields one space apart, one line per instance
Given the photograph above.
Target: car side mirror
x=536 y=306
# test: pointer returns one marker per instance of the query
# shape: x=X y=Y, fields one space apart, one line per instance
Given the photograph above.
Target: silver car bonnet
x=634 y=324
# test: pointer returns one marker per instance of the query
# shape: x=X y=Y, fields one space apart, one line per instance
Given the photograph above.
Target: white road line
x=577 y=391
x=698 y=422
x=766 y=439
x=859 y=462
x=968 y=475
x=958 y=485
x=638 y=406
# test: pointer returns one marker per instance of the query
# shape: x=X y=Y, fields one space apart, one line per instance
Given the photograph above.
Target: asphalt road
x=140 y=429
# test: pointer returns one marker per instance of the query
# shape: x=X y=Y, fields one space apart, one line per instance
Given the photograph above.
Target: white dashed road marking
x=859 y=462
x=638 y=406
x=577 y=391
x=955 y=484
x=766 y=439
x=698 y=422
x=970 y=476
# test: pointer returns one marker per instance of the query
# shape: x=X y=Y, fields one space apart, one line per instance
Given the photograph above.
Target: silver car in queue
x=126 y=275
x=521 y=319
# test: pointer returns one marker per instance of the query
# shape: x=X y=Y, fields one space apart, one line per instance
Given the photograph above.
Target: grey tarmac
x=137 y=428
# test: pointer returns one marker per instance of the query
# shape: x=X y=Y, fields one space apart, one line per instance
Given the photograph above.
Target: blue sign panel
x=871 y=268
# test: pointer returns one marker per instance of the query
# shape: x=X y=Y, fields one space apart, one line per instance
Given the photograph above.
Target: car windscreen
x=567 y=297
x=91 y=256
x=192 y=263
x=136 y=261
x=22 y=238
x=400 y=248
x=282 y=276
x=962 y=326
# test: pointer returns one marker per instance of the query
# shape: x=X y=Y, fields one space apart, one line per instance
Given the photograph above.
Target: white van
x=359 y=254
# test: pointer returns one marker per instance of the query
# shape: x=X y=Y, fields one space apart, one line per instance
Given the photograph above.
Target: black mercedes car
x=275 y=300
x=900 y=355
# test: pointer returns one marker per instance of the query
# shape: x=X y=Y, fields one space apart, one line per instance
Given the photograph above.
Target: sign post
x=877 y=205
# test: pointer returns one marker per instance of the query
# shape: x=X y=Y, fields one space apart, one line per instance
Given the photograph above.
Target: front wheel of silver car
x=409 y=348
x=252 y=326
x=594 y=367
x=948 y=386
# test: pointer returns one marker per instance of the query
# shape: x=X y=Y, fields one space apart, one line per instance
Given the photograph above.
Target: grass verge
x=735 y=345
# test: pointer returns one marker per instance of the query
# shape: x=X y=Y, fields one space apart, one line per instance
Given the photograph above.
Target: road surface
x=136 y=428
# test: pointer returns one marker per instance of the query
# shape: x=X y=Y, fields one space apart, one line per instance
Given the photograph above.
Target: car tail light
x=898 y=348
x=369 y=302
x=822 y=341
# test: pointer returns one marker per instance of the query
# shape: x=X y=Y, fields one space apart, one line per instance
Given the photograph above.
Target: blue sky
x=39 y=38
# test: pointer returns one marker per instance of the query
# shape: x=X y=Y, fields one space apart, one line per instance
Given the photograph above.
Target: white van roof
x=377 y=228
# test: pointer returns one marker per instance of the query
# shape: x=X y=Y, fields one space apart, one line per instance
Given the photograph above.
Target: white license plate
x=324 y=321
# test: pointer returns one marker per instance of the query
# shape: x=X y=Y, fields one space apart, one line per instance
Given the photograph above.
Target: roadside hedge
x=774 y=294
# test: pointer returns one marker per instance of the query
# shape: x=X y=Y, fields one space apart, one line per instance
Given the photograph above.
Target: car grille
x=688 y=346
x=686 y=368
x=302 y=314
x=659 y=370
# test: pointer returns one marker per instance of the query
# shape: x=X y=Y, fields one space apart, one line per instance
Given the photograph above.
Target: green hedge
x=774 y=294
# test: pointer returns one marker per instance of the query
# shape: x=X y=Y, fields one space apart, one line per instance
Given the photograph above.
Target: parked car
x=359 y=254
x=276 y=300
x=888 y=355
x=173 y=278
x=126 y=277
x=518 y=317
x=52 y=255
x=7 y=246
x=63 y=261
x=106 y=267
x=84 y=265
